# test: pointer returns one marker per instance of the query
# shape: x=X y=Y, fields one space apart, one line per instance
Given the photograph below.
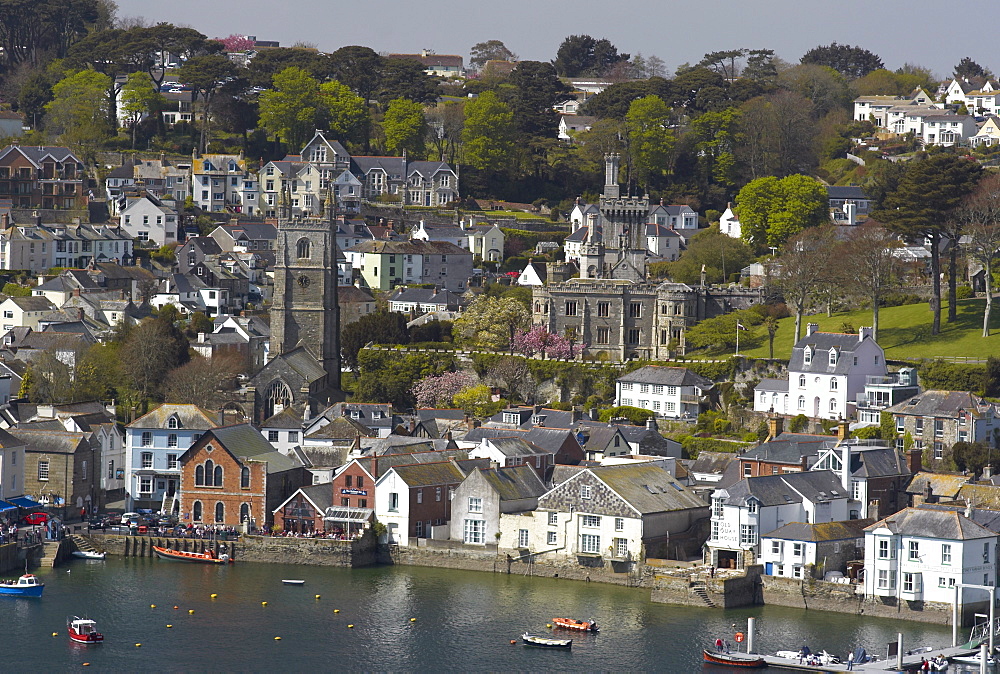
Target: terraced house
x=42 y=177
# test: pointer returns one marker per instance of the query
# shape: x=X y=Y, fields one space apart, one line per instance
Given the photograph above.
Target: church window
x=571 y=308
x=302 y=248
x=603 y=309
x=279 y=396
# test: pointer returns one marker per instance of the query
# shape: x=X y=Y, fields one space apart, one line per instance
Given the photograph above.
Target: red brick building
x=42 y=177
x=232 y=475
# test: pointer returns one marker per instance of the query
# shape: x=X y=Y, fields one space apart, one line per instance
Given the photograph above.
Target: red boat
x=208 y=557
x=571 y=624
x=741 y=660
x=83 y=631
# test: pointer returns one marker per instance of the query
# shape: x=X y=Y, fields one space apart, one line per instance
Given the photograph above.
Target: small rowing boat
x=741 y=660
x=545 y=642
x=88 y=554
x=581 y=625
x=83 y=631
x=289 y=581
x=208 y=557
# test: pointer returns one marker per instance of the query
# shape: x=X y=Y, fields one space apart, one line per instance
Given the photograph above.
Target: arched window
x=199 y=475
x=279 y=396
x=197 y=511
x=218 y=476
x=209 y=472
x=220 y=512
x=802 y=381
x=172 y=423
x=802 y=402
x=833 y=384
x=245 y=478
x=245 y=512
x=302 y=248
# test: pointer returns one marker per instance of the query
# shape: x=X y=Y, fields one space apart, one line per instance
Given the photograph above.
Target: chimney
x=447 y=436
x=811 y=328
x=843 y=431
x=969 y=508
x=864 y=333
x=593 y=414
x=201 y=337
x=79 y=313
x=775 y=426
x=76 y=292
x=651 y=424
x=575 y=415
x=413 y=426
x=845 y=466
x=356 y=445
x=804 y=463
x=914 y=462
x=928 y=493
x=987 y=472
x=537 y=408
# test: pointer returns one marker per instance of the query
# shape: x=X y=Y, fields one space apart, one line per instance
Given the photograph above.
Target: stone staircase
x=82 y=543
x=700 y=590
x=50 y=553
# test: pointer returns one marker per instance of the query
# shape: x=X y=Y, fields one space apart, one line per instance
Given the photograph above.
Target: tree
x=718 y=254
x=488 y=135
x=868 y=261
x=536 y=89
x=727 y=63
x=269 y=62
x=583 y=55
x=78 y=111
x=360 y=69
x=716 y=135
x=718 y=335
x=405 y=128
x=380 y=327
x=343 y=112
x=778 y=133
x=31 y=28
x=206 y=74
x=406 y=78
x=650 y=138
x=851 y=62
x=826 y=88
x=149 y=352
x=967 y=69
x=477 y=401
x=491 y=50
x=772 y=210
x=444 y=128
x=205 y=380
x=492 y=323
x=923 y=199
x=137 y=100
x=981 y=212
x=289 y=109
x=438 y=390
x=804 y=262
x=512 y=375
x=539 y=340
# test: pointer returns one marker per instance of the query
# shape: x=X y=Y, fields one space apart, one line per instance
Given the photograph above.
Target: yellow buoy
x=263 y=603
x=413 y=620
x=55 y=634
x=214 y=596
x=152 y=606
x=351 y=626
x=169 y=626
x=138 y=645
x=549 y=625
x=191 y=611
x=317 y=596
x=336 y=610
x=277 y=638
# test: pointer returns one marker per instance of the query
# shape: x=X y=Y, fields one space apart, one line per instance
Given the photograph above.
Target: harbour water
x=464 y=621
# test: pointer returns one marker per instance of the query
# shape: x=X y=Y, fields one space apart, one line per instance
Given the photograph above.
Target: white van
x=128 y=516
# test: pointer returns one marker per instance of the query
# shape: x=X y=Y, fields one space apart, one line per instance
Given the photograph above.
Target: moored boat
x=83 y=631
x=572 y=624
x=545 y=642
x=741 y=660
x=88 y=554
x=27 y=585
x=208 y=557
x=290 y=581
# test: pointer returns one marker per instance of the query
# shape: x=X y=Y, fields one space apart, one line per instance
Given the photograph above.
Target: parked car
x=129 y=516
x=36 y=518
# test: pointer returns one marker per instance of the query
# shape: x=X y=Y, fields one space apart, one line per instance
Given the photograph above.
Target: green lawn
x=904 y=332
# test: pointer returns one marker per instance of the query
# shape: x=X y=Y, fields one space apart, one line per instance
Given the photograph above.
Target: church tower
x=305 y=311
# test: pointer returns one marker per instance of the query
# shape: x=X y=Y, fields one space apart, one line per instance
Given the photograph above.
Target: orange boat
x=581 y=625
x=181 y=556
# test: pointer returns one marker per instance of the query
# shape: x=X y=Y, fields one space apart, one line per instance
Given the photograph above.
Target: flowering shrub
x=438 y=390
x=539 y=340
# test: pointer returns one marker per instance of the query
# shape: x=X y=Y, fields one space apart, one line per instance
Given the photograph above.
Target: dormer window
x=807 y=355
x=511 y=418
x=752 y=506
x=833 y=357
x=173 y=423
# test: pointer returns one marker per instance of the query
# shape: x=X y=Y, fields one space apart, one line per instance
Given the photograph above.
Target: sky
x=922 y=32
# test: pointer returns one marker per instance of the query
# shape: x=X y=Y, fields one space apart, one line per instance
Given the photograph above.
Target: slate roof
x=817 y=533
x=245 y=442
x=821 y=343
x=599 y=438
x=933 y=523
x=37 y=153
x=514 y=483
x=776 y=490
x=772 y=385
x=980 y=495
x=789 y=448
x=189 y=416
x=652 y=229
x=430 y=474
x=348 y=294
x=343 y=428
x=712 y=462
x=934 y=403
x=48 y=441
x=647 y=488
x=441 y=296
x=549 y=439
x=668 y=376
x=286 y=418
x=33 y=303
x=320 y=495
x=845 y=192
x=648 y=440
x=548 y=418
x=304 y=363
x=878 y=463
x=513 y=447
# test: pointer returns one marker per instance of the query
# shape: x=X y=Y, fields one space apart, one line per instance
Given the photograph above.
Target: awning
x=4 y=506
x=347 y=514
x=25 y=502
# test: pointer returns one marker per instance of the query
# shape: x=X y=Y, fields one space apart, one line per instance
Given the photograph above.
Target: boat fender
x=191 y=611
x=351 y=626
x=263 y=603
x=413 y=620
x=513 y=641
x=55 y=634
x=336 y=610
x=277 y=638
x=317 y=596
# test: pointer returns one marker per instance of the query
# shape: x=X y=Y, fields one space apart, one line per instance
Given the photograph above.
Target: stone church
x=304 y=371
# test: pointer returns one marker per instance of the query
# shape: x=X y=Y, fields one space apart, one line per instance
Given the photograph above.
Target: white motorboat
x=973 y=660
x=88 y=554
x=290 y=581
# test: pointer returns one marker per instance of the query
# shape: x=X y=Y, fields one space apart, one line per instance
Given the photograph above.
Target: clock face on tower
x=303 y=281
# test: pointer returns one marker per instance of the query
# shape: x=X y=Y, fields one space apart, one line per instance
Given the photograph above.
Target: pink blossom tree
x=438 y=390
x=236 y=43
x=539 y=340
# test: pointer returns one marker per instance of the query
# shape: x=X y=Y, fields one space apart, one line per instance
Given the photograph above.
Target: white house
x=150 y=219
x=743 y=511
x=486 y=495
x=920 y=554
x=664 y=242
x=153 y=445
x=796 y=547
x=826 y=374
x=411 y=499
x=671 y=392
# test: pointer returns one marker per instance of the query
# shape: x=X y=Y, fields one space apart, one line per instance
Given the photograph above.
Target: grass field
x=904 y=332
